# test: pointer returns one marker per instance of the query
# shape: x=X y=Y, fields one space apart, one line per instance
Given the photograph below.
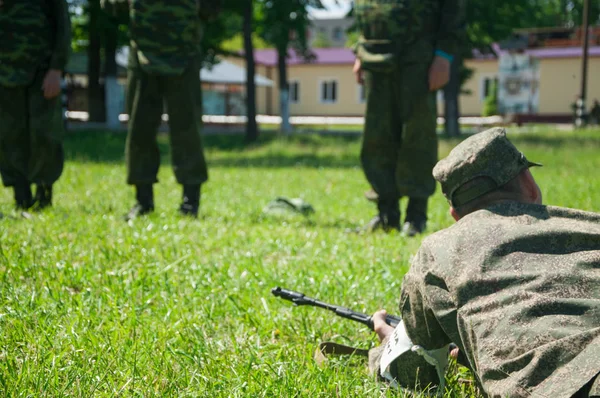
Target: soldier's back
x=525 y=282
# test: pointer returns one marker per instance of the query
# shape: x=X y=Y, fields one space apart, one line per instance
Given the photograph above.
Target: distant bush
x=490 y=105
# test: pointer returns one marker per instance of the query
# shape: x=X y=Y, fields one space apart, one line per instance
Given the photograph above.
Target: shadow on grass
x=109 y=147
x=226 y=150
x=273 y=151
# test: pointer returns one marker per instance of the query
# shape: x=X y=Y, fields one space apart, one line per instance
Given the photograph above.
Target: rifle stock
x=301 y=299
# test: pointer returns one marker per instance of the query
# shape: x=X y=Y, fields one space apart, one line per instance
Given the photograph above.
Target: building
x=333 y=32
x=326 y=86
x=222 y=85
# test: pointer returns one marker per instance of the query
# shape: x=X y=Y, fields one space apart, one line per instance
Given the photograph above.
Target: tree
x=95 y=95
x=116 y=15
x=96 y=30
x=284 y=25
x=251 y=127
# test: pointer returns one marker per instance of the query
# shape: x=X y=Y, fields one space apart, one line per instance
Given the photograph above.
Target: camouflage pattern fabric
x=488 y=154
x=407 y=21
x=400 y=144
x=517 y=287
x=166 y=34
x=399 y=147
x=30 y=135
x=34 y=35
x=145 y=94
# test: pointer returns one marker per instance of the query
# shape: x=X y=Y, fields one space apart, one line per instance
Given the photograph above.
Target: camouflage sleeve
x=62 y=38
x=452 y=25
x=419 y=319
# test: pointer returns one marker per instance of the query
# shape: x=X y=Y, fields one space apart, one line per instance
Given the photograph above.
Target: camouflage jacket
x=165 y=35
x=34 y=35
x=517 y=288
x=439 y=23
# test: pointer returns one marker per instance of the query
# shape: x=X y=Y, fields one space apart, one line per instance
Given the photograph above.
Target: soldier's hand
x=51 y=84
x=380 y=327
x=357 y=69
x=439 y=73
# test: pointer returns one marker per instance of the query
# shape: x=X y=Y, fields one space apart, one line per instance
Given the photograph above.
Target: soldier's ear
x=530 y=188
x=454 y=214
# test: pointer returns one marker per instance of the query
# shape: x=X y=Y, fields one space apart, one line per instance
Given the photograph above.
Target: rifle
x=301 y=299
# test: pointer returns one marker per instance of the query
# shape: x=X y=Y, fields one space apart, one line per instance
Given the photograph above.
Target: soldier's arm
x=419 y=318
x=62 y=41
x=451 y=27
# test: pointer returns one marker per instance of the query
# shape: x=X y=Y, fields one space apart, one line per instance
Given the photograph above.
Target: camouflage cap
x=487 y=154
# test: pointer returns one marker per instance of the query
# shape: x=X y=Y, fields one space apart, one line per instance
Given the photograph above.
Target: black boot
x=145 y=202
x=387 y=219
x=23 y=196
x=43 y=196
x=191 y=200
x=416 y=217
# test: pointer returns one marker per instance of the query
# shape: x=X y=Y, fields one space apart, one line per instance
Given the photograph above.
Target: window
x=338 y=34
x=487 y=83
x=362 y=93
x=329 y=91
x=294 y=92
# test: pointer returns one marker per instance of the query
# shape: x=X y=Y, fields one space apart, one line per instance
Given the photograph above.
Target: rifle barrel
x=301 y=299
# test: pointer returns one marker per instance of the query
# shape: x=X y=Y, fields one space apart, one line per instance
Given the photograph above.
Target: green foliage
x=236 y=43
x=490 y=105
x=321 y=41
x=491 y=21
x=225 y=26
x=110 y=16
x=165 y=306
x=284 y=24
x=352 y=38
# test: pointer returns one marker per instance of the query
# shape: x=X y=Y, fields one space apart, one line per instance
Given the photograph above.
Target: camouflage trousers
x=31 y=129
x=399 y=148
x=145 y=95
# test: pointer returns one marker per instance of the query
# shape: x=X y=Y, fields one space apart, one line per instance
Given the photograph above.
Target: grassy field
x=165 y=306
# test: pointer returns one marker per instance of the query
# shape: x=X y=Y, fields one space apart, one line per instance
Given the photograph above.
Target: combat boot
x=190 y=203
x=23 y=196
x=43 y=196
x=416 y=217
x=145 y=202
x=388 y=218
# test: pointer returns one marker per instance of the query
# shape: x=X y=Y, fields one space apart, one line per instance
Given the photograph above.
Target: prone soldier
x=514 y=284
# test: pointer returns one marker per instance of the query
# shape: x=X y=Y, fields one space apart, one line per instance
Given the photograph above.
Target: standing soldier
x=403 y=57
x=35 y=40
x=164 y=65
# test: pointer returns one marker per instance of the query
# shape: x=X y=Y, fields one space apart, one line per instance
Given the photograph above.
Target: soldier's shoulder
x=566 y=212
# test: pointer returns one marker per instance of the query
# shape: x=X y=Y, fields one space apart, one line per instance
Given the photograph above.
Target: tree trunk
x=111 y=87
x=451 y=102
x=95 y=94
x=251 y=127
x=284 y=103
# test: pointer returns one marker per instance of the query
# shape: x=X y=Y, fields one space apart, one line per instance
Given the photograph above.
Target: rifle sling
x=331 y=348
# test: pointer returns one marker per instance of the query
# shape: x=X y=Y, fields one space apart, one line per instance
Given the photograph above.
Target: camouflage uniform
x=400 y=145
x=515 y=285
x=164 y=65
x=34 y=37
x=517 y=288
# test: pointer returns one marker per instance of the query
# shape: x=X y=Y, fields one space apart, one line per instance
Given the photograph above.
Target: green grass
x=165 y=306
